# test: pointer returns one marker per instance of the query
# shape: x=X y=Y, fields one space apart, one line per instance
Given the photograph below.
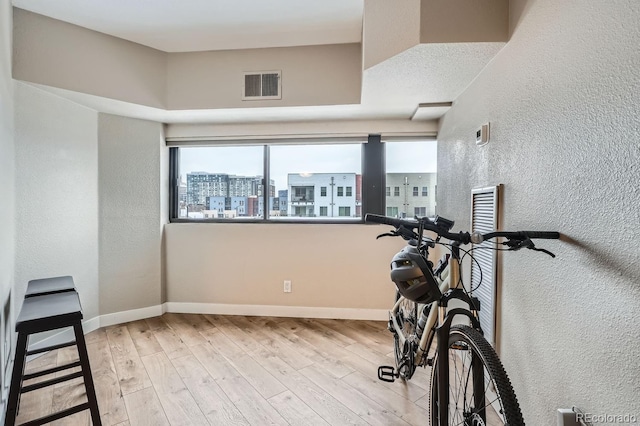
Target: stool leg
x=86 y=373
x=16 y=380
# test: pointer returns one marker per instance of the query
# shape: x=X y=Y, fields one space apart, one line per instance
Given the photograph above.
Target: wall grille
x=484 y=218
x=262 y=85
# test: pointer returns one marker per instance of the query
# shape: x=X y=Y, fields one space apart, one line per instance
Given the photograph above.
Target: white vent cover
x=484 y=218
x=260 y=85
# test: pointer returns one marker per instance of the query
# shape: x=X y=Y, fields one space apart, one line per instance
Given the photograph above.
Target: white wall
x=56 y=193
x=131 y=188
x=66 y=56
x=459 y=21
x=562 y=99
x=311 y=75
x=388 y=28
x=58 y=54
x=331 y=266
x=7 y=170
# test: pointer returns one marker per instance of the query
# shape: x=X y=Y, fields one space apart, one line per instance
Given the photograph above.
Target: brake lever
x=526 y=243
x=386 y=234
x=543 y=251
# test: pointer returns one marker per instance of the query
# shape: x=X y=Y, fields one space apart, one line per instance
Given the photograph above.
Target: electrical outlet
x=287 y=286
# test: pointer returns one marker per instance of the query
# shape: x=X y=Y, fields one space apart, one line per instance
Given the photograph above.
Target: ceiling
x=393 y=89
x=196 y=25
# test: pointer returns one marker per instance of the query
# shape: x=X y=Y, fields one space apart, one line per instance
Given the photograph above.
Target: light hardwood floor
x=187 y=369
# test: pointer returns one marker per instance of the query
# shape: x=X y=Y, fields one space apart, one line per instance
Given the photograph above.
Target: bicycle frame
x=439 y=324
x=451 y=274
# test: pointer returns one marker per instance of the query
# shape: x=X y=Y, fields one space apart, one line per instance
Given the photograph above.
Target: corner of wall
x=7 y=195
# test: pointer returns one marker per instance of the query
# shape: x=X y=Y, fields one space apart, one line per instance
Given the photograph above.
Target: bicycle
x=469 y=385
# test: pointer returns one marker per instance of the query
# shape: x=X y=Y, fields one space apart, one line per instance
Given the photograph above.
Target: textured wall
x=56 y=193
x=129 y=153
x=7 y=170
x=563 y=99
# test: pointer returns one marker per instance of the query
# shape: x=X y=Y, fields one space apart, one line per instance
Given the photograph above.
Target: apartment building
x=410 y=194
x=321 y=195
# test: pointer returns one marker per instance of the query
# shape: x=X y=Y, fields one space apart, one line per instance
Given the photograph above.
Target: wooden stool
x=50 y=286
x=43 y=313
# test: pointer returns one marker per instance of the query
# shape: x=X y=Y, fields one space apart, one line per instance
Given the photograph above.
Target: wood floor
x=187 y=369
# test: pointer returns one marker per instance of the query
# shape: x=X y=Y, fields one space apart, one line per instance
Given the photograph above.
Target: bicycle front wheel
x=480 y=393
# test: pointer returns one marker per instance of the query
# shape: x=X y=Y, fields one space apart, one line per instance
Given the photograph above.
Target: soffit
x=392 y=89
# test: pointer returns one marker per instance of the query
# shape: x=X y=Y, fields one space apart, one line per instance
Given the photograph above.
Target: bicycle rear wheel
x=480 y=393
x=407 y=319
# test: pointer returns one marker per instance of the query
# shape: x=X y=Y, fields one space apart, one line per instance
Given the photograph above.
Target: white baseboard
x=278 y=311
x=94 y=323
x=131 y=315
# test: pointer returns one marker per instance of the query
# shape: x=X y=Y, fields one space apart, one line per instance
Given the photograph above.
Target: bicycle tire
x=407 y=318
x=463 y=339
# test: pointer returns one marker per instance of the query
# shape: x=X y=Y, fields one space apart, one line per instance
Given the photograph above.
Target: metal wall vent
x=484 y=218
x=262 y=85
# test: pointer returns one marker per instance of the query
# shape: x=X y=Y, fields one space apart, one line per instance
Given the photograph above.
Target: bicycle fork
x=445 y=317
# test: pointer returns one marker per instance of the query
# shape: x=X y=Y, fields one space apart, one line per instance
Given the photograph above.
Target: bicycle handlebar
x=462 y=237
x=546 y=235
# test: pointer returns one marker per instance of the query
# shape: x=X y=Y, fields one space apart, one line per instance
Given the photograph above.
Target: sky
x=408 y=157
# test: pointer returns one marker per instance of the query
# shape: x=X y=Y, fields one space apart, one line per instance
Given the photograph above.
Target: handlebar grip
x=542 y=234
x=385 y=220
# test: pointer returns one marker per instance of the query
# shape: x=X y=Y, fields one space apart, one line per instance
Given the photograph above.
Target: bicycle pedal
x=387 y=373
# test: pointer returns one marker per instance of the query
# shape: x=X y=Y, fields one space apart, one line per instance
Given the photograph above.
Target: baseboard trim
x=94 y=323
x=131 y=315
x=278 y=311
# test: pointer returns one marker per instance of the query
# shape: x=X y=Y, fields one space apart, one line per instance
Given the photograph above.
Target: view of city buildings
x=410 y=194
x=308 y=195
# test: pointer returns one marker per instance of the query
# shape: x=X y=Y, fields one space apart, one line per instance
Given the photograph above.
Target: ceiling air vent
x=261 y=85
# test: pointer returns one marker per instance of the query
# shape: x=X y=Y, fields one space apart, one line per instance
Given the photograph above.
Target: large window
x=304 y=182
x=284 y=181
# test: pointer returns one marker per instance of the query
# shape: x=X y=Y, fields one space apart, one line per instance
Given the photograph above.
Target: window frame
x=373 y=185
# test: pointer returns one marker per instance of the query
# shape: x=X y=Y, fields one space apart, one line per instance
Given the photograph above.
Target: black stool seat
x=47 y=312
x=49 y=285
